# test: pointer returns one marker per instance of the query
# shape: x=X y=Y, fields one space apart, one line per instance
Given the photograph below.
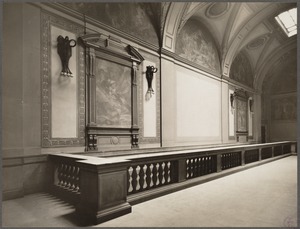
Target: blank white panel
x=150 y=104
x=63 y=91
x=198 y=105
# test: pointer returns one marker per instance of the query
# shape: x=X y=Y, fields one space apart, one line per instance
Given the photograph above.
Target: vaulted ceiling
x=239 y=29
x=243 y=27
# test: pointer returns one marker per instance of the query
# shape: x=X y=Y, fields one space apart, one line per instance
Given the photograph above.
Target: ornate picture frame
x=112 y=51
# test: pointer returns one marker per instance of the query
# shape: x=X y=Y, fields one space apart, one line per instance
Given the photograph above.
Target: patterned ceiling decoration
x=217 y=9
x=258 y=42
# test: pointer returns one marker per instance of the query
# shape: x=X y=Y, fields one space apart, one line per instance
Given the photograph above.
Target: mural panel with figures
x=241 y=70
x=113 y=94
x=241 y=115
x=195 y=44
x=137 y=19
x=284 y=108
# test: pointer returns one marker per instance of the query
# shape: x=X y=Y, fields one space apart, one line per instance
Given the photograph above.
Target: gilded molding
x=49 y=19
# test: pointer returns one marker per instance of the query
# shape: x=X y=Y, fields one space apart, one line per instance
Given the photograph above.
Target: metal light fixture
x=232 y=96
x=64 y=50
x=149 y=76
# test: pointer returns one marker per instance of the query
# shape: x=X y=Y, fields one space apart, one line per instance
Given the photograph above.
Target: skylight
x=288 y=21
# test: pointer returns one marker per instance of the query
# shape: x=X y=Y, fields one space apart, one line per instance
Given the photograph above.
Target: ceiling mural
x=195 y=44
x=136 y=19
x=241 y=70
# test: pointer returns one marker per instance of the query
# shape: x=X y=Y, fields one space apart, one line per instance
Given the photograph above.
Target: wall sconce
x=64 y=50
x=251 y=102
x=149 y=76
x=232 y=96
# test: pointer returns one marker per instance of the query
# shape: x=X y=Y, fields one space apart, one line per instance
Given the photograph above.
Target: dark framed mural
x=241 y=70
x=113 y=93
x=111 y=71
x=241 y=110
x=241 y=114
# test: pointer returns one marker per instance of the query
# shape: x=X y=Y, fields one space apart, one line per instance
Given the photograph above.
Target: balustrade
x=266 y=153
x=199 y=166
x=113 y=180
x=146 y=176
x=68 y=176
x=230 y=160
x=251 y=156
x=277 y=150
x=286 y=149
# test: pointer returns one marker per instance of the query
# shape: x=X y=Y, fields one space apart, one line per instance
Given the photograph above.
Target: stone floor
x=263 y=196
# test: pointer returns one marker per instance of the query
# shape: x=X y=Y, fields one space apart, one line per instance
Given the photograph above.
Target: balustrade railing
x=286 y=149
x=251 y=156
x=277 y=150
x=199 y=166
x=66 y=179
x=145 y=176
x=149 y=173
x=266 y=153
x=230 y=160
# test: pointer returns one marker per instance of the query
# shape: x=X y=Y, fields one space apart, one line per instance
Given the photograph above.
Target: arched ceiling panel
x=195 y=44
x=257 y=32
x=243 y=15
x=282 y=74
x=136 y=19
x=272 y=45
x=255 y=48
x=275 y=59
x=215 y=16
x=266 y=11
x=241 y=70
